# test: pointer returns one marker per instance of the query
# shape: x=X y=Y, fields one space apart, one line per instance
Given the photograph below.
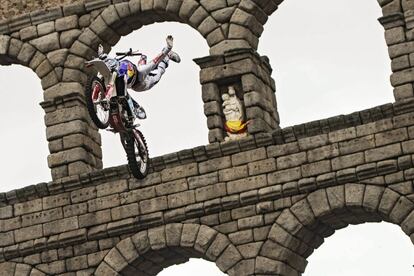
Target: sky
x=329 y=58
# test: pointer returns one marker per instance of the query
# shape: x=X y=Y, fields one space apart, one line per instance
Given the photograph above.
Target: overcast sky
x=329 y=58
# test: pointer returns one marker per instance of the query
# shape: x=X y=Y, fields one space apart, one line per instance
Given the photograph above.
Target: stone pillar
x=399 y=35
x=74 y=142
x=250 y=74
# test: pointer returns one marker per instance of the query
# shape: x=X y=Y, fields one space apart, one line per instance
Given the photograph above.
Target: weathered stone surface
x=248 y=156
x=49 y=80
x=179 y=172
x=47 y=43
x=401 y=209
x=96 y=218
x=240 y=32
x=245 y=19
x=153 y=205
x=189 y=235
x=263 y=166
x=356 y=145
x=223 y=15
x=45 y=28
x=207 y=26
x=61 y=226
x=28 y=233
x=203 y=180
x=62 y=89
x=388 y=200
x=66 y=23
x=254 y=206
x=319 y=203
x=233 y=173
x=280 y=150
x=342 y=135
x=347 y=161
x=187 y=8
x=292 y=160
x=382 y=153
x=28 y=33
x=214 y=164
x=58 y=57
x=68 y=156
x=14 y=47
x=26 y=53
x=173 y=234
x=103 y=203
x=284 y=176
x=316 y=168
x=246 y=184
x=28 y=207
x=241 y=237
x=228 y=258
x=181 y=199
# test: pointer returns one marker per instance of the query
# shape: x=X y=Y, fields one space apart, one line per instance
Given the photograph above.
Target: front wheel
x=137 y=153
x=96 y=102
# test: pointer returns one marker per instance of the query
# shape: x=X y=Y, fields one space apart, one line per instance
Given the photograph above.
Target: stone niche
x=250 y=75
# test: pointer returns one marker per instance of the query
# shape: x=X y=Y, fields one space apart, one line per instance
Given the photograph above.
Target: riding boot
x=138 y=110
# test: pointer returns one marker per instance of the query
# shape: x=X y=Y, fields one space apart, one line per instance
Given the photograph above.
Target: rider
x=145 y=75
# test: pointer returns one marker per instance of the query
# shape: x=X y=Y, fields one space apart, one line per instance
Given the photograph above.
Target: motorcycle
x=109 y=104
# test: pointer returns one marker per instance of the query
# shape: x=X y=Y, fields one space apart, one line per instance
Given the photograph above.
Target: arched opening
x=174 y=106
x=150 y=251
x=23 y=146
x=199 y=266
x=329 y=58
x=171 y=261
x=302 y=228
x=366 y=249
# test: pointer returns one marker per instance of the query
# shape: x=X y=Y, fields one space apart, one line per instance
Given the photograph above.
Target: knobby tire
x=89 y=102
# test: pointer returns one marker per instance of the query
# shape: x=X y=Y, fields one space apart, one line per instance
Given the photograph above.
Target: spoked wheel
x=137 y=153
x=98 y=106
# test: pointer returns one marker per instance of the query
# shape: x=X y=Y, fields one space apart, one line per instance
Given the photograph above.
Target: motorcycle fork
x=121 y=85
x=95 y=92
x=111 y=88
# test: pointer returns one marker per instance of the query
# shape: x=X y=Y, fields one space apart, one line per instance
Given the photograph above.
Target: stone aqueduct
x=257 y=206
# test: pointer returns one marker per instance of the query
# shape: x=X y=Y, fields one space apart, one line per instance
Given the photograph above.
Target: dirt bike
x=109 y=104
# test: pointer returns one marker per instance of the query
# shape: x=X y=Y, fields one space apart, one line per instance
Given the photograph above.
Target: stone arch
x=299 y=230
x=11 y=268
x=16 y=51
x=233 y=59
x=157 y=248
x=63 y=100
x=224 y=26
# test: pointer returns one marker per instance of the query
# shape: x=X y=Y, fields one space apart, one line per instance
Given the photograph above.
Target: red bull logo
x=130 y=71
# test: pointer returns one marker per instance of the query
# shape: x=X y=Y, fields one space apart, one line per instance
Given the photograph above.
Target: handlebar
x=129 y=53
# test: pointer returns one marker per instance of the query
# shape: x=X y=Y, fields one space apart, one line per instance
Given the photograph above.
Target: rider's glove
x=170 y=42
x=103 y=56
x=101 y=53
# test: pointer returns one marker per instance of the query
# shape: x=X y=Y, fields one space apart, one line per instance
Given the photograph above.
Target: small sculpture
x=235 y=125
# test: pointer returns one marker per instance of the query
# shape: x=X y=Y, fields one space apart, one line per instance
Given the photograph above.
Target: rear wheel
x=97 y=104
x=137 y=153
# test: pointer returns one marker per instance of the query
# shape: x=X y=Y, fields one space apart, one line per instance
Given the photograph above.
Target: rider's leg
x=155 y=76
x=139 y=110
x=145 y=69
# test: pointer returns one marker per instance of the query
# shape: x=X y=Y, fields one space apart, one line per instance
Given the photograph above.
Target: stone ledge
x=39 y=16
x=276 y=193
x=215 y=150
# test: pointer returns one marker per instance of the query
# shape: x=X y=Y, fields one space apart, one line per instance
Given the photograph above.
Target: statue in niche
x=235 y=124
